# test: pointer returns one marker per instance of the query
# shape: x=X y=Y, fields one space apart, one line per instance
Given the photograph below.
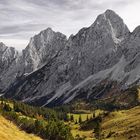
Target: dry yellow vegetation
x=83 y=116
x=75 y=128
x=122 y=125
x=118 y=125
x=9 y=131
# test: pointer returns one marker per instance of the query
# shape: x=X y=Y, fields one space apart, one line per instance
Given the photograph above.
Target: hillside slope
x=115 y=125
x=9 y=131
x=122 y=125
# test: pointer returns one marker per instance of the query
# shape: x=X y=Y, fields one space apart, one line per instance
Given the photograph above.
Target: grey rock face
x=53 y=70
x=98 y=47
x=8 y=56
x=40 y=50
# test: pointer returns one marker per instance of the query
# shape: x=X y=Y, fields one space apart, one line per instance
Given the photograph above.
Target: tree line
x=43 y=122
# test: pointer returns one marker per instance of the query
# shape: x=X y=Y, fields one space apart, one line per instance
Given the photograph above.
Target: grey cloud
x=21 y=28
x=24 y=18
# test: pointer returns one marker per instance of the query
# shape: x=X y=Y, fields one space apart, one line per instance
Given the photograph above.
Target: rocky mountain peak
x=2 y=47
x=48 y=30
x=136 y=32
x=110 y=14
x=42 y=47
x=112 y=24
x=7 y=52
x=48 y=34
x=56 y=70
x=7 y=56
x=45 y=37
x=2 y=44
x=117 y=23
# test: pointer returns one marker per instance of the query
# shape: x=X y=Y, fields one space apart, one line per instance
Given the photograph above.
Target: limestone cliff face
x=54 y=70
x=41 y=48
x=8 y=56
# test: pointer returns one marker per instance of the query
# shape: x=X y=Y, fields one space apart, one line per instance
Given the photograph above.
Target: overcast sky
x=21 y=19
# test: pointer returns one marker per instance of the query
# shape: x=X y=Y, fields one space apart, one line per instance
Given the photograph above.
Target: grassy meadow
x=114 y=125
x=122 y=125
x=9 y=131
x=75 y=125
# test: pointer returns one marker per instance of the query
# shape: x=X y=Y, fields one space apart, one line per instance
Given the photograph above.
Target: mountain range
x=100 y=62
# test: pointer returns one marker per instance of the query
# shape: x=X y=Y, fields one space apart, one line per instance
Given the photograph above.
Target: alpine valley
x=85 y=87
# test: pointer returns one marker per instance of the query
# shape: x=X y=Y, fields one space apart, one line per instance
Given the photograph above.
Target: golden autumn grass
x=122 y=125
x=84 y=115
x=75 y=128
x=9 y=131
x=118 y=125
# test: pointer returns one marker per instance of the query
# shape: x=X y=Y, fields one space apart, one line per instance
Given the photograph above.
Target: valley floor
x=116 y=125
x=9 y=131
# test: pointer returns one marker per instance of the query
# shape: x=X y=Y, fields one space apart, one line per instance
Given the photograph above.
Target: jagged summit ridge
x=43 y=46
x=8 y=57
x=40 y=50
x=113 y=24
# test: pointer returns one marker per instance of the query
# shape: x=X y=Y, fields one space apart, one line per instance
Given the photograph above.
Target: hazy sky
x=21 y=19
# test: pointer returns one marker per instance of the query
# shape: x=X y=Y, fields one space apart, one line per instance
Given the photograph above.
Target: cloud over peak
x=23 y=18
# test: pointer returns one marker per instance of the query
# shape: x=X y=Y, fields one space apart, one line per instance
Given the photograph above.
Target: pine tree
x=7 y=107
x=76 y=121
x=2 y=101
x=71 y=118
x=93 y=114
x=87 y=118
x=80 y=119
x=97 y=129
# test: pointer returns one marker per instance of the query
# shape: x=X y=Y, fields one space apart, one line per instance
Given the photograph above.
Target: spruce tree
x=71 y=118
x=87 y=118
x=80 y=119
x=93 y=114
